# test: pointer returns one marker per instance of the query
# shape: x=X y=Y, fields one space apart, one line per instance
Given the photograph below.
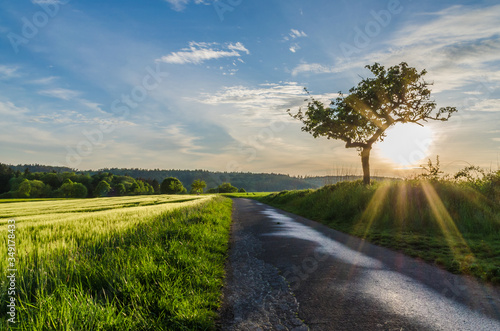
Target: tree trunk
x=365 y=162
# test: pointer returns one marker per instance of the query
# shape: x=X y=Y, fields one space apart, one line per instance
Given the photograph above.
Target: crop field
x=124 y=263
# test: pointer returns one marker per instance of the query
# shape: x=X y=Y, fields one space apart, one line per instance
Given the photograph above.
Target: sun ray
x=373 y=209
x=452 y=235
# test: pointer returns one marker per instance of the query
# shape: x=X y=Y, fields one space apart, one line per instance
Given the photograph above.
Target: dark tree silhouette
x=396 y=95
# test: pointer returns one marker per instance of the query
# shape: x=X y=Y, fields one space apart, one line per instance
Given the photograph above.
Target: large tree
x=172 y=185
x=398 y=94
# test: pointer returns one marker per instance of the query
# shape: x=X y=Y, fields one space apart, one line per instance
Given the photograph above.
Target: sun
x=406 y=145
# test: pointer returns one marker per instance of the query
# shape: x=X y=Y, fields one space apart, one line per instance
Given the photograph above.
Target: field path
x=289 y=273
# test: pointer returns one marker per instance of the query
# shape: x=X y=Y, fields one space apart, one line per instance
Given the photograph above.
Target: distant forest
x=37 y=181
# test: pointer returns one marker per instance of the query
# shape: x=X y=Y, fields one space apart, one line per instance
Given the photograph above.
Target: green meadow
x=125 y=263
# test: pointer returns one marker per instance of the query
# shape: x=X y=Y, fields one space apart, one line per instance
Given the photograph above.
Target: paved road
x=289 y=273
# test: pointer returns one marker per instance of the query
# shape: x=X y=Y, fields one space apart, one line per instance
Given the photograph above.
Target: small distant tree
x=198 y=185
x=395 y=95
x=242 y=190
x=172 y=185
x=227 y=188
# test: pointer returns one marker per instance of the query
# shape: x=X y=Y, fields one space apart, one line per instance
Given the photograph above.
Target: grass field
x=454 y=225
x=125 y=263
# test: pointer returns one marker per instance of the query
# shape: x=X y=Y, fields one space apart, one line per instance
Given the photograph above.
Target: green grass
x=128 y=263
x=454 y=225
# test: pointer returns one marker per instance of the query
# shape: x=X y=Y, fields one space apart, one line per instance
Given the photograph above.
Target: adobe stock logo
x=372 y=29
x=39 y=20
x=224 y=6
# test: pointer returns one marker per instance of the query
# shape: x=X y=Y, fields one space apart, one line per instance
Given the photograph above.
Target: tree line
x=252 y=182
x=27 y=184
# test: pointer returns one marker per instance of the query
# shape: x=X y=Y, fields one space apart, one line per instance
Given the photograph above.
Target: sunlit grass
x=131 y=264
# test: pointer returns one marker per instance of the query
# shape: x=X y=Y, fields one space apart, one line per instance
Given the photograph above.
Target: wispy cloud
x=199 y=52
x=10 y=110
x=180 y=5
x=294 y=47
x=178 y=137
x=294 y=34
x=487 y=105
x=60 y=93
x=43 y=81
x=7 y=72
x=315 y=68
x=47 y=2
x=67 y=117
x=457 y=46
x=265 y=101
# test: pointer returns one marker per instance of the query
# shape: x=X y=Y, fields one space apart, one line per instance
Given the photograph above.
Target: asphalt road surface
x=289 y=273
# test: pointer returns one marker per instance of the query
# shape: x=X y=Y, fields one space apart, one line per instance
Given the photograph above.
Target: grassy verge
x=450 y=224
x=150 y=267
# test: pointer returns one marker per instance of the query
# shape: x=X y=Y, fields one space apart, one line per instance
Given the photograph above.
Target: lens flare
x=406 y=144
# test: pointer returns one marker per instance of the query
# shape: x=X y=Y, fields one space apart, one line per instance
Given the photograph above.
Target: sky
x=198 y=84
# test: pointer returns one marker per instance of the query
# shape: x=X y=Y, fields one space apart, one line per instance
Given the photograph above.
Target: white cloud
x=489 y=105
x=9 y=110
x=314 y=68
x=198 y=53
x=67 y=117
x=457 y=46
x=182 y=141
x=180 y=5
x=48 y=2
x=43 y=81
x=452 y=26
x=294 y=34
x=297 y=34
x=294 y=47
x=60 y=93
x=7 y=72
x=265 y=101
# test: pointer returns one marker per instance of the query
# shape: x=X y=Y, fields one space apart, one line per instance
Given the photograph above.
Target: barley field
x=124 y=263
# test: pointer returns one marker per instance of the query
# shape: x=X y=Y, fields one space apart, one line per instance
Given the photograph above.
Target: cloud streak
x=198 y=52
x=314 y=68
x=180 y=5
x=7 y=72
x=60 y=93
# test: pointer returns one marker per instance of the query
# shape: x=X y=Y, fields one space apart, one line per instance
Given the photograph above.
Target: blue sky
x=193 y=84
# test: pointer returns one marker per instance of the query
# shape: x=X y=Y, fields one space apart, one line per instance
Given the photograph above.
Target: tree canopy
x=198 y=185
x=172 y=185
x=398 y=94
